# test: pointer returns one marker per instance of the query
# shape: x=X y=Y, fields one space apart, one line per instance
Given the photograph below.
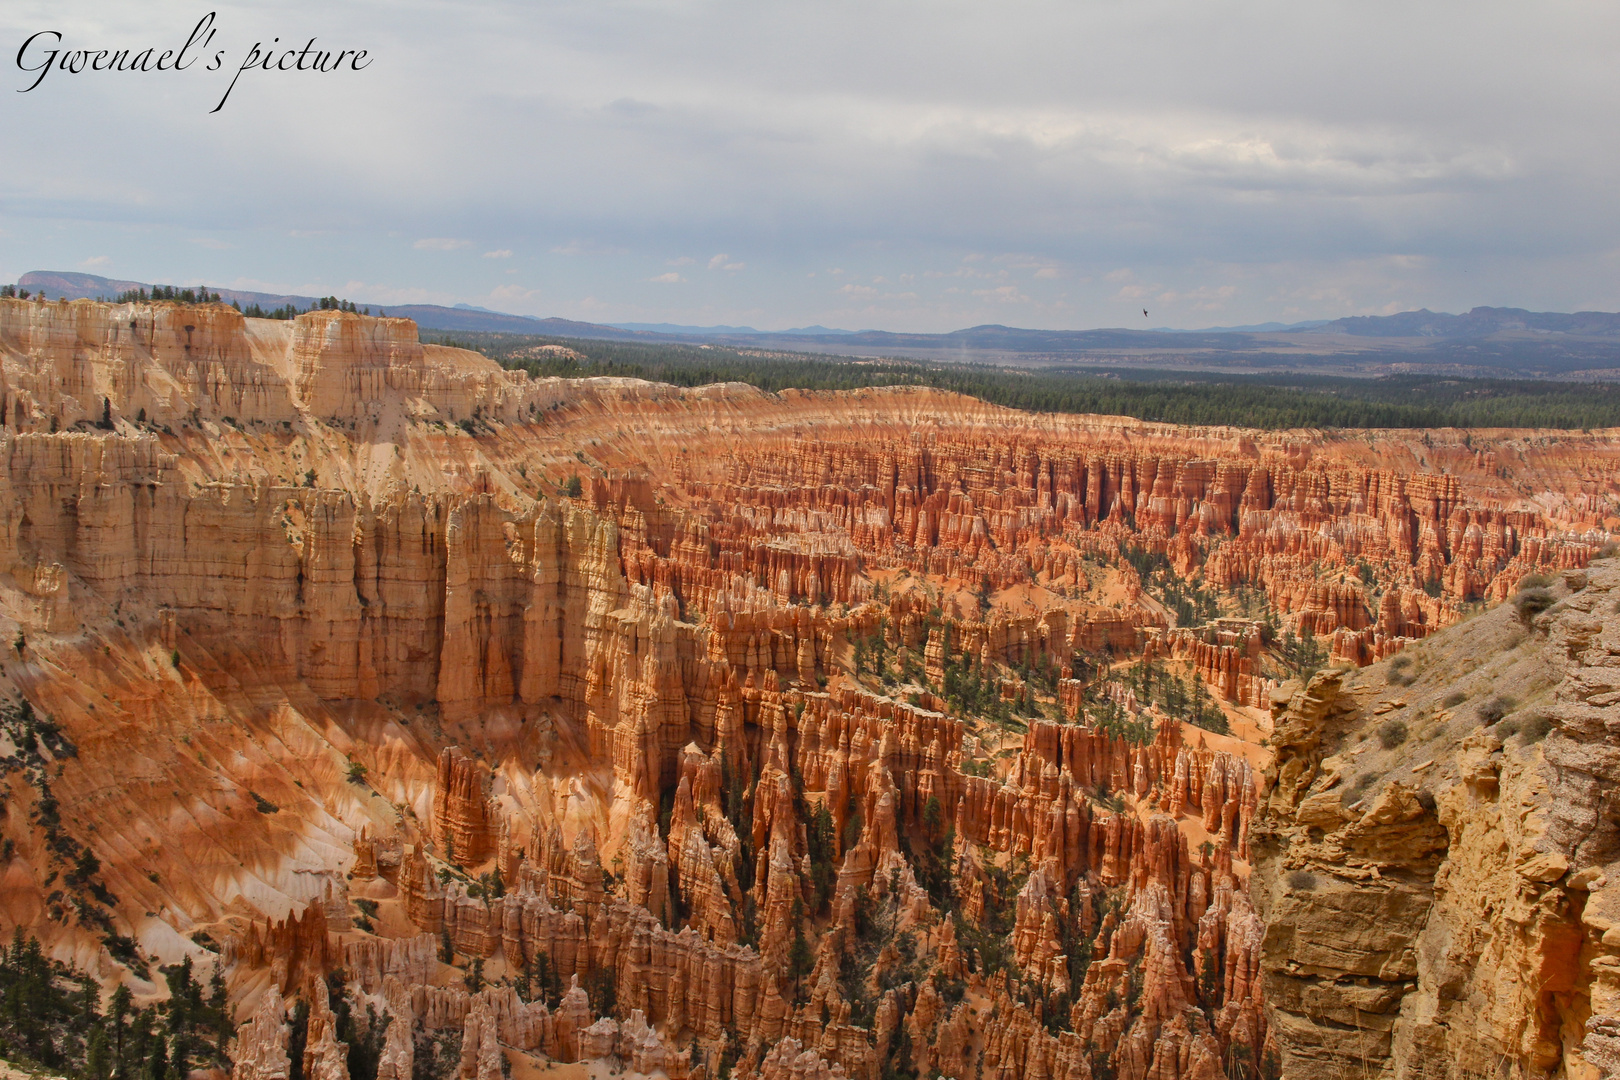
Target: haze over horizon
x=885 y=166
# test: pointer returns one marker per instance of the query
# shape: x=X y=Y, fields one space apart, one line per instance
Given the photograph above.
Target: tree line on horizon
x=201 y=295
x=1271 y=401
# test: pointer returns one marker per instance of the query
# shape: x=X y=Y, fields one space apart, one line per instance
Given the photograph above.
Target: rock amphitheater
x=818 y=735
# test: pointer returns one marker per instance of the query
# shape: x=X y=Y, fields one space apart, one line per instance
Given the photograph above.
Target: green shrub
x=1532 y=602
x=1535 y=581
x=1536 y=728
x=1392 y=733
x=1454 y=699
x=1492 y=711
x=1301 y=880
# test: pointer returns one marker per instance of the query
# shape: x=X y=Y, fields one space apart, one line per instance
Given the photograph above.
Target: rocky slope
x=1436 y=850
x=717 y=731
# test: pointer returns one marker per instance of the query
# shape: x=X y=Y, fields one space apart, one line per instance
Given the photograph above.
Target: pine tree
x=157 y=1067
x=97 y=1062
x=801 y=960
x=118 y=1013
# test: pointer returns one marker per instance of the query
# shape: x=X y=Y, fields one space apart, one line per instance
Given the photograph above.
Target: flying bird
x=1144 y=313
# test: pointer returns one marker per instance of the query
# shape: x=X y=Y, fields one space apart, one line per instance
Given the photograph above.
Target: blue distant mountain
x=683 y=330
x=1478 y=323
x=1256 y=328
x=489 y=311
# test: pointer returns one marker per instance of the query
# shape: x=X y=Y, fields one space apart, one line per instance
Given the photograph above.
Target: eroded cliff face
x=1435 y=850
x=819 y=734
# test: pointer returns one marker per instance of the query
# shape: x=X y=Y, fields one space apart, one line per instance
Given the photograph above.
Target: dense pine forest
x=1271 y=400
x=52 y=1018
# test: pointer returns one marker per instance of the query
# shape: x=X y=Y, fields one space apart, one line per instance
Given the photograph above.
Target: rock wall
x=1449 y=918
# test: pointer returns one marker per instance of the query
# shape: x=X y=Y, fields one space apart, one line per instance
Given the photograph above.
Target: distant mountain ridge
x=711 y=331
x=1484 y=340
x=1256 y=328
x=1480 y=322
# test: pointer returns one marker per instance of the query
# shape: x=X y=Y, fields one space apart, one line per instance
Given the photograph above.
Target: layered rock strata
x=1434 y=852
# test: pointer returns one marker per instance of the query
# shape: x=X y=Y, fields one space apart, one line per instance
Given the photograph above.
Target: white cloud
x=1005 y=294
x=97 y=260
x=684 y=260
x=377 y=294
x=440 y=243
x=587 y=247
x=722 y=262
x=1205 y=298
x=513 y=292
x=503 y=253
x=670 y=278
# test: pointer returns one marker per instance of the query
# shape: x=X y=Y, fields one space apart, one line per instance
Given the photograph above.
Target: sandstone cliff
x=1435 y=850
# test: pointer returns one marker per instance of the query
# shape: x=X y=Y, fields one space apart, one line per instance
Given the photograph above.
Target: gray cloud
x=959 y=163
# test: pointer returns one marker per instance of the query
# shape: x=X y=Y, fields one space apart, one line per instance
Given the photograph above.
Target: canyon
x=715 y=733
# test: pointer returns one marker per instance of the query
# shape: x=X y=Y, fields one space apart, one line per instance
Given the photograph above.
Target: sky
x=891 y=165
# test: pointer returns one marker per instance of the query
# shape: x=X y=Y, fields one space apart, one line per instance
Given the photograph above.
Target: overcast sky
x=903 y=166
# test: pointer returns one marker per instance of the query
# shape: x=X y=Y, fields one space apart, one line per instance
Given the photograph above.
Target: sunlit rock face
x=820 y=734
x=1434 y=854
